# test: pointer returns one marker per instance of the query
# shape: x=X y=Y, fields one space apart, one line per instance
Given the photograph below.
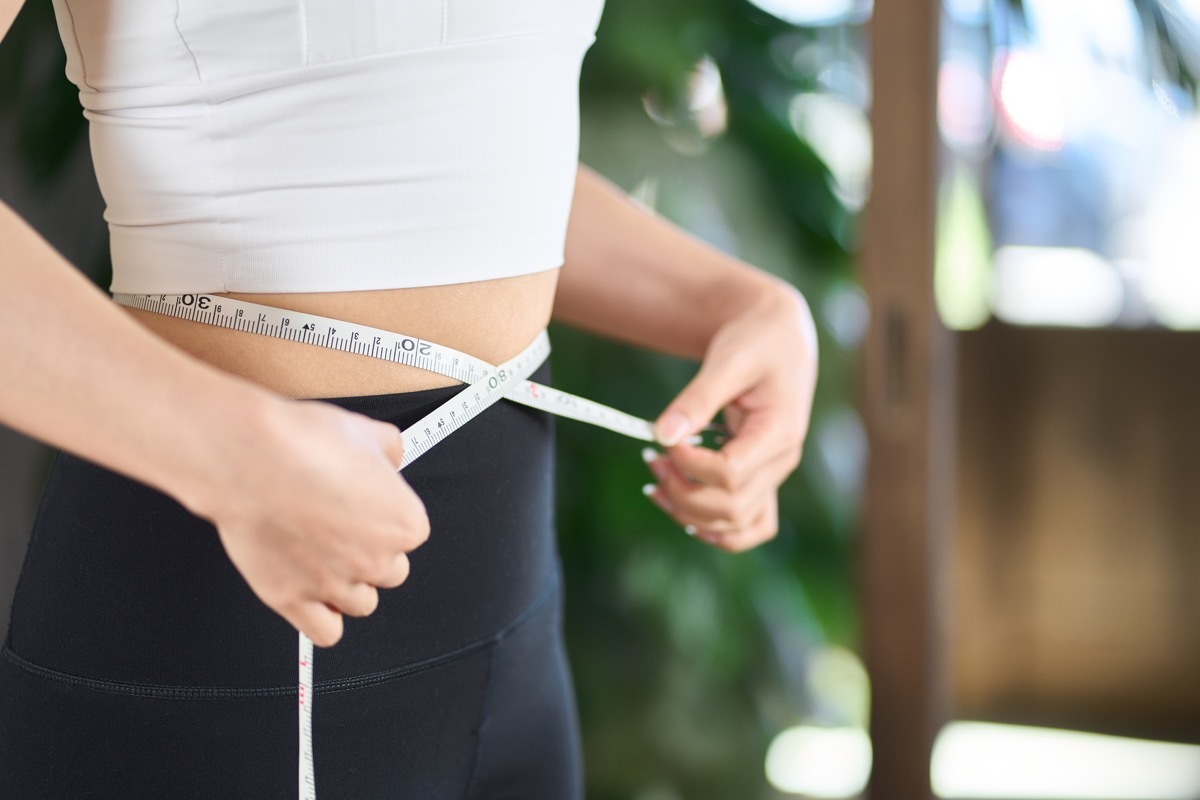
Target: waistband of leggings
x=168 y=692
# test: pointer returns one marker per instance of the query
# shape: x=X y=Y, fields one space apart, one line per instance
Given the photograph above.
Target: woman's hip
x=123 y=584
x=491 y=721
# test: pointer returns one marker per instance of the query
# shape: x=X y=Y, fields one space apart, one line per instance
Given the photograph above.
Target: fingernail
x=649 y=454
x=690 y=530
x=662 y=502
x=670 y=428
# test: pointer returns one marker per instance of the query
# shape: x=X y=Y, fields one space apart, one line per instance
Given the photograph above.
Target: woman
x=405 y=165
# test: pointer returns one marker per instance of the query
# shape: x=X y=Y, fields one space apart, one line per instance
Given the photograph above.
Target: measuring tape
x=486 y=384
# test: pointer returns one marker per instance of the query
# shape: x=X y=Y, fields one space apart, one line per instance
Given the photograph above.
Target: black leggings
x=139 y=664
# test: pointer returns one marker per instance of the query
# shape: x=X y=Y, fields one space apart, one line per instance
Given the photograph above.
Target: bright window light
x=817 y=12
x=983 y=760
x=1065 y=286
x=1032 y=99
x=820 y=762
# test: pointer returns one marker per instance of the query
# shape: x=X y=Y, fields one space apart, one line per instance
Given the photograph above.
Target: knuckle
x=726 y=508
x=290 y=611
x=387 y=580
x=726 y=543
x=377 y=570
x=684 y=511
x=367 y=566
x=399 y=571
x=724 y=477
x=328 y=586
x=747 y=511
x=683 y=518
x=416 y=532
x=669 y=481
x=737 y=542
x=736 y=472
x=327 y=634
x=759 y=534
x=283 y=602
x=369 y=602
x=358 y=601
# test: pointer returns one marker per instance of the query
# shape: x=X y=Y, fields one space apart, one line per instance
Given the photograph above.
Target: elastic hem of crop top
x=258 y=169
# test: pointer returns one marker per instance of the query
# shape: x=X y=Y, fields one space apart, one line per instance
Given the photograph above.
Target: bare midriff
x=492 y=319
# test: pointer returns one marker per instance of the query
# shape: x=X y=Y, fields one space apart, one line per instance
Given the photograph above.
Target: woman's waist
x=491 y=319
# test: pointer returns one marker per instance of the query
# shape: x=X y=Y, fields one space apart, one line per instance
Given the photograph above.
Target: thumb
x=392 y=443
x=693 y=408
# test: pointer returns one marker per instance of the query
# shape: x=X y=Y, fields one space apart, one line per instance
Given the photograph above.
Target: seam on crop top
x=78 y=49
x=186 y=45
x=340 y=64
x=177 y=692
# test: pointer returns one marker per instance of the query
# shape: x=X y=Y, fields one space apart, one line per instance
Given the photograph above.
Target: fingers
x=394 y=574
x=357 y=600
x=762 y=529
x=317 y=621
x=715 y=384
x=715 y=501
x=321 y=620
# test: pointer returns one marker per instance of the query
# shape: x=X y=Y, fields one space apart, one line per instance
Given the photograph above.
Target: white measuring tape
x=486 y=384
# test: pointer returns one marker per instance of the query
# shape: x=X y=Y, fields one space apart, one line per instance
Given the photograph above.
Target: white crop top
x=329 y=145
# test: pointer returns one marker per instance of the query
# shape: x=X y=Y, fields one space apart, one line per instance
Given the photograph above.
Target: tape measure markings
x=304 y=693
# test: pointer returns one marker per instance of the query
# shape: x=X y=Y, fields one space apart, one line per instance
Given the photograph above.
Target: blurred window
x=1071 y=190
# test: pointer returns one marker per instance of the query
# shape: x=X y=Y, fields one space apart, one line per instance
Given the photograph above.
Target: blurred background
x=987 y=577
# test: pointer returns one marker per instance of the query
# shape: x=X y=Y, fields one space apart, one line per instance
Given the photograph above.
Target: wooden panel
x=908 y=391
x=1077 y=573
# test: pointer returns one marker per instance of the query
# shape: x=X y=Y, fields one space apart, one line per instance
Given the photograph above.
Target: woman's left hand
x=760 y=367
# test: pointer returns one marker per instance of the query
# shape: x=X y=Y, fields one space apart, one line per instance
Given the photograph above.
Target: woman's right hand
x=313 y=512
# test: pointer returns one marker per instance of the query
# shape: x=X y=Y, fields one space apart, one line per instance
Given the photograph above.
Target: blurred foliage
x=32 y=79
x=687 y=660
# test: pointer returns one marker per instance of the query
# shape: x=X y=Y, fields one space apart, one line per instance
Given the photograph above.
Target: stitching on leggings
x=145 y=689
x=485 y=716
x=320 y=687
x=398 y=672
x=484 y=719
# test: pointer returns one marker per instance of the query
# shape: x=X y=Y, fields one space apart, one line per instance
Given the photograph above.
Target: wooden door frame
x=908 y=401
